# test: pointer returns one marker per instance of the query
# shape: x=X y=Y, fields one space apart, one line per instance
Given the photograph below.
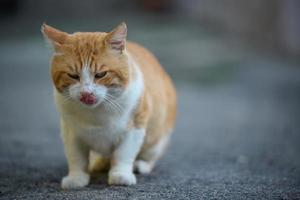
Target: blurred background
x=236 y=68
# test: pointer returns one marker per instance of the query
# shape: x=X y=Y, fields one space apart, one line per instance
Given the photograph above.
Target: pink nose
x=88 y=98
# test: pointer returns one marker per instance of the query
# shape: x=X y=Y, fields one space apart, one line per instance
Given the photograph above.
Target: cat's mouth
x=88 y=99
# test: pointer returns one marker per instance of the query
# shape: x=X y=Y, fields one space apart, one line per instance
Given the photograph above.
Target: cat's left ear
x=55 y=36
x=116 y=39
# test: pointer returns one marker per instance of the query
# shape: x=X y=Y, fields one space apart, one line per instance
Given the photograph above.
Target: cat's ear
x=55 y=36
x=116 y=39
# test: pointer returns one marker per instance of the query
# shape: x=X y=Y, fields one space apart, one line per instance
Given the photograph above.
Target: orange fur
x=158 y=103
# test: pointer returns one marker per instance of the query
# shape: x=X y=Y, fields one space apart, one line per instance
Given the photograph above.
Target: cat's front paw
x=75 y=181
x=121 y=178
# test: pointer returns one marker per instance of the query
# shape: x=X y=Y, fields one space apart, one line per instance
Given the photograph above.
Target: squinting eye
x=74 y=76
x=100 y=75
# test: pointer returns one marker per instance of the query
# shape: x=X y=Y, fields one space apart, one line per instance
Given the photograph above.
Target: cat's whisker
x=111 y=96
x=117 y=104
x=111 y=102
x=114 y=105
x=110 y=106
x=110 y=109
x=67 y=98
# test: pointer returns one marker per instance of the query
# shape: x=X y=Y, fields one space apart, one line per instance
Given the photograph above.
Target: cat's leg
x=77 y=158
x=147 y=159
x=121 y=172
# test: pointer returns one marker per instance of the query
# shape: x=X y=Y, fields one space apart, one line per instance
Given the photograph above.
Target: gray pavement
x=237 y=133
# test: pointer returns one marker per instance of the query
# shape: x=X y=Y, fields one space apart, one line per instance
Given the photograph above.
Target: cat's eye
x=74 y=76
x=100 y=75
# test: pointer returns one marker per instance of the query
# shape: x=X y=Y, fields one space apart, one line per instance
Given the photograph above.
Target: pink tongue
x=88 y=99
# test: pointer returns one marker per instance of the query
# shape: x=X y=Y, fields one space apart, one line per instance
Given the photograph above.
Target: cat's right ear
x=116 y=39
x=54 y=36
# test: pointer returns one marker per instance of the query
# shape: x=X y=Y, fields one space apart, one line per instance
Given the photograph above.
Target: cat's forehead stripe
x=85 y=73
x=86 y=61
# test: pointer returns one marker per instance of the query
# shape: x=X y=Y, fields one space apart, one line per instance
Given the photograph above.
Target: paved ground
x=237 y=134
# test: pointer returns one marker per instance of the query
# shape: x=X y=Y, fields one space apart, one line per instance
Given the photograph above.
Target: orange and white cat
x=116 y=102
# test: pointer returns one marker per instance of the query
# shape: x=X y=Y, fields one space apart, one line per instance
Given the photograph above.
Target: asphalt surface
x=237 y=134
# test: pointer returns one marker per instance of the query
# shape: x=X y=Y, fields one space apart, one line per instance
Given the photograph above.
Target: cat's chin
x=90 y=106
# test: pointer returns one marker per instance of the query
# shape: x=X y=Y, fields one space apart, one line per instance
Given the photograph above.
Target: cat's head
x=89 y=68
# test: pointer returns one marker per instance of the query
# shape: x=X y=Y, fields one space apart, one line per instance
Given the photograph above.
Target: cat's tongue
x=88 y=99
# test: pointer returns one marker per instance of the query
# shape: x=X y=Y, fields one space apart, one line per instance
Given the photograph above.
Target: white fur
x=101 y=130
x=75 y=181
x=86 y=76
x=121 y=172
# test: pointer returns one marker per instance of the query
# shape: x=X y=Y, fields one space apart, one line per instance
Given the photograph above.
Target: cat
x=117 y=104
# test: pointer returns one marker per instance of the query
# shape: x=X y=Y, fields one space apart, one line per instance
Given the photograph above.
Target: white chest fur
x=104 y=137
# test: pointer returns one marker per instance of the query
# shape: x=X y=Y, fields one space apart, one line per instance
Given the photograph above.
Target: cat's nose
x=88 y=98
